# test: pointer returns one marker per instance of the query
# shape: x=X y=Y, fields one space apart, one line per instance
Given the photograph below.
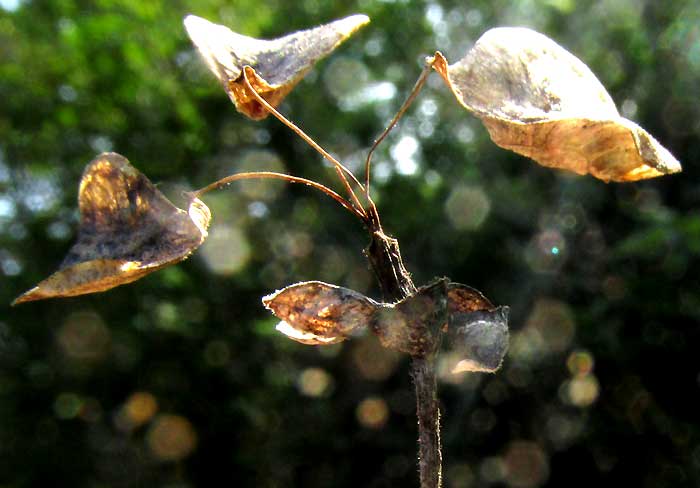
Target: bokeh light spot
x=10 y=5
x=226 y=251
x=492 y=469
x=562 y=431
x=459 y=475
x=314 y=382
x=167 y=315
x=138 y=409
x=344 y=78
x=580 y=363
x=526 y=465
x=372 y=412
x=483 y=419
x=67 y=406
x=467 y=207
x=257 y=160
x=293 y=244
x=549 y=329
x=84 y=336
x=171 y=437
x=8 y=208
x=404 y=154
x=495 y=392
x=373 y=361
x=581 y=391
x=546 y=251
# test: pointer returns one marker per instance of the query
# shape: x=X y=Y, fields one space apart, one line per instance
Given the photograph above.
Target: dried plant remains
x=318 y=313
x=539 y=100
x=279 y=64
x=127 y=230
x=533 y=96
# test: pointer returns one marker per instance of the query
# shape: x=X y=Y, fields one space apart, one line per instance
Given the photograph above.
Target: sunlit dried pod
x=127 y=230
x=414 y=324
x=463 y=299
x=318 y=313
x=539 y=100
x=279 y=64
x=477 y=333
x=479 y=339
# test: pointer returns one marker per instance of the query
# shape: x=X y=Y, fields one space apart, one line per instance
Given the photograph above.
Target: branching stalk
x=385 y=258
x=396 y=284
x=339 y=167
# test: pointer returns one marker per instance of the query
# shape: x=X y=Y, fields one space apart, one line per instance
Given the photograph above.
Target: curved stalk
x=339 y=167
x=280 y=176
x=406 y=104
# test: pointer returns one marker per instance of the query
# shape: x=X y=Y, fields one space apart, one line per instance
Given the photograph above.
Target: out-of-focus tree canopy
x=179 y=380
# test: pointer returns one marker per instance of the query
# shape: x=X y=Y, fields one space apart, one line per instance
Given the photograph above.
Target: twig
x=428 y=411
x=339 y=167
x=396 y=284
x=406 y=104
x=280 y=176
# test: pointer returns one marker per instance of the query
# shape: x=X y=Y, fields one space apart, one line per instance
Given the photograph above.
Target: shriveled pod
x=474 y=331
x=541 y=101
x=278 y=64
x=128 y=229
x=477 y=333
x=317 y=313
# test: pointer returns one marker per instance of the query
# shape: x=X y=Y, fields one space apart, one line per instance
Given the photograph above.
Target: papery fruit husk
x=537 y=99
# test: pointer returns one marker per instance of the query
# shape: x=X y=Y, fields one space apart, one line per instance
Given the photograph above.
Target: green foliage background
x=593 y=272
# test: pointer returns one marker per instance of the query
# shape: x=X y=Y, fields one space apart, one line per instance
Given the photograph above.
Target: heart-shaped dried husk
x=539 y=100
x=279 y=64
x=127 y=230
x=318 y=313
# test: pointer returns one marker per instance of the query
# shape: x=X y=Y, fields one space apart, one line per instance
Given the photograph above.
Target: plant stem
x=418 y=85
x=385 y=258
x=279 y=176
x=339 y=167
x=428 y=412
x=407 y=103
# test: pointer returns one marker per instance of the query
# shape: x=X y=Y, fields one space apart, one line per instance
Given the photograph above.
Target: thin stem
x=280 y=176
x=395 y=282
x=428 y=412
x=339 y=167
x=406 y=104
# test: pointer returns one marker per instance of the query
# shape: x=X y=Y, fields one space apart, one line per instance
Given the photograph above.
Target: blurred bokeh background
x=179 y=380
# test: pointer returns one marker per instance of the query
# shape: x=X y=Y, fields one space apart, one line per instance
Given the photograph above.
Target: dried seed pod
x=479 y=338
x=539 y=100
x=279 y=64
x=127 y=230
x=414 y=324
x=463 y=299
x=318 y=313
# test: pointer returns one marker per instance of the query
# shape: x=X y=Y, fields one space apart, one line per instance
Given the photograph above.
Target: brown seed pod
x=318 y=313
x=279 y=64
x=537 y=99
x=127 y=230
